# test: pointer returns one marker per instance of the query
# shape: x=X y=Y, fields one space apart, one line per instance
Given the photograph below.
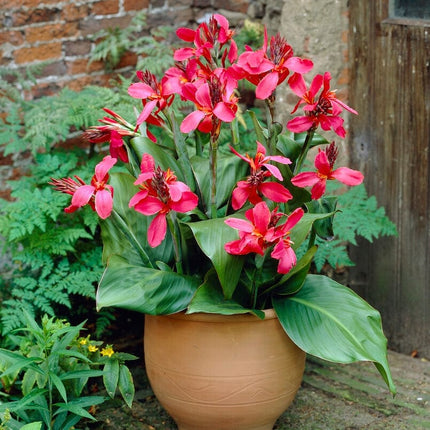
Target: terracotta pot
x=215 y=372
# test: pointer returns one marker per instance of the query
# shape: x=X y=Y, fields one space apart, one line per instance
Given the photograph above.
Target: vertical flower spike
x=114 y=130
x=324 y=163
x=215 y=102
x=99 y=195
x=322 y=110
x=254 y=186
x=268 y=68
x=160 y=193
x=261 y=232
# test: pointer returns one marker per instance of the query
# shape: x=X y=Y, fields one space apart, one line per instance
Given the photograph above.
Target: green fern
x=358 y=216
x=57 y=256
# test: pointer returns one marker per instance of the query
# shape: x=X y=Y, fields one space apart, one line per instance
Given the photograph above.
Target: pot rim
x=213 y=317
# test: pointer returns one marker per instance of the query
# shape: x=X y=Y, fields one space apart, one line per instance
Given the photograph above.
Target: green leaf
x=324 y=227
x=143 y=289
x=19 y=362
x=88 y=373
x=76 y=406
x=125 y=385
x=330 y=321
x=211 y=235
x=110 y=376
x=260 y=131
x=303 y=227
x=230 y=169
x=294 y=279
x=58 y=383
x=209 y=298
x=162 y=156
x=32 y=426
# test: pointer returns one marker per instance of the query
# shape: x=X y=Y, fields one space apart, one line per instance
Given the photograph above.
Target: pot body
x=217 y=372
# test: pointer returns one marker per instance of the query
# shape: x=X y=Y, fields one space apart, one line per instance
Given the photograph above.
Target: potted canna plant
x=213 y=238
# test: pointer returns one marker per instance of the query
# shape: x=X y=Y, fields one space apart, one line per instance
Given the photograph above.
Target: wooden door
x=390 y=88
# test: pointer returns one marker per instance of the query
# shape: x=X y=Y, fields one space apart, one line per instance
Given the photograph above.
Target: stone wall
x=59 y=33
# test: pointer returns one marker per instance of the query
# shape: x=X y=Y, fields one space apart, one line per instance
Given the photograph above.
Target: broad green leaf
x=230 y=170
x=32 y=426
x=303 y=227
x=143 y=289
x=294 y=279
x=209 y=298
x=162 y=156
x=110 y=376
x=125 y=385
x=330 y=321
x=324 y=227
x=211 y=236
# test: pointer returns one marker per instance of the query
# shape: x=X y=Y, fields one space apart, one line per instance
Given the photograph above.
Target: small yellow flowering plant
x=51 y=368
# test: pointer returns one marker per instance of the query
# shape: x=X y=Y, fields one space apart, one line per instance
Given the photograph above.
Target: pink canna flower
x=114 y=130
x=160 y=193
x=251 y=189
x=324 y=162
x=322 y=110
x=261 y=232
x=153 y=95
x=268 y=68
x=205 y=38
x=99 y=195
x=215 y=102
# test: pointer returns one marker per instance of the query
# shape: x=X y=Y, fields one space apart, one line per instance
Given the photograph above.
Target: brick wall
x=59 y=33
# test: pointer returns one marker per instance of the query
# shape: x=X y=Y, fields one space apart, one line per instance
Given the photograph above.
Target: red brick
x=42 y=90
x=13 y=37
x=82 y=65
x=128 y=59
x=57 y=68
x=105 y=7
x=77 y=47
x=72 y=12
x=136 y=4
x=51 y=31
x=46 y=51
x=93 y=25
x=35 y=16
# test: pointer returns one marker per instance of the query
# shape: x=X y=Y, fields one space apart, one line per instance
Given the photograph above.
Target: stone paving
x=332 y=397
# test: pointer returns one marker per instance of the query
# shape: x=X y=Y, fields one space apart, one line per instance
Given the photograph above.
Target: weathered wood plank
x=390 y=87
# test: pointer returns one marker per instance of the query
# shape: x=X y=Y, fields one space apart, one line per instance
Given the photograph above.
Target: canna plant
x=197 y=223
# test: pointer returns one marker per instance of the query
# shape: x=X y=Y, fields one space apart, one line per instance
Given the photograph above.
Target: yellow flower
x=84 y=340
x=108 y=351
x=92 y=348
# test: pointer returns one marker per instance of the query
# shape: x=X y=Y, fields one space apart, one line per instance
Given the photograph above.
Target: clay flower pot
x=216 y=372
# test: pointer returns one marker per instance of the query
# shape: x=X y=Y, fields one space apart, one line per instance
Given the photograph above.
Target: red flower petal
x=191 y=121
x=103 y=203
x=157 y=230
x=348 y=176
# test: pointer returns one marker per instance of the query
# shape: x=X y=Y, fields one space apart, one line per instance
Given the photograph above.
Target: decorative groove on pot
x=216 y=373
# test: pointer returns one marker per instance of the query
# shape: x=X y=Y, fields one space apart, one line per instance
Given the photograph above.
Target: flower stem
x=175 y=239
x=213 y=168
x=304 y=151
